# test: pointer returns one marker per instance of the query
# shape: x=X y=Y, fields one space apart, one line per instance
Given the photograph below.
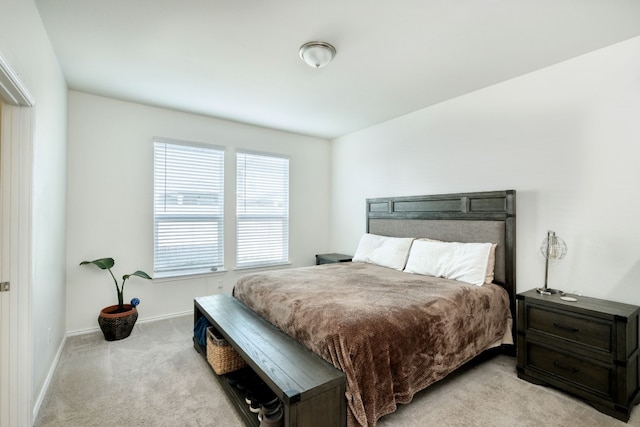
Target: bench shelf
x=311 y=389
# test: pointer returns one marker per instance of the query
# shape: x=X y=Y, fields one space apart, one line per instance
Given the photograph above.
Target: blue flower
x=135 y=302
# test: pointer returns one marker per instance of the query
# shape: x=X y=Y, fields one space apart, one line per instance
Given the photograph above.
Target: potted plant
x=117 y=321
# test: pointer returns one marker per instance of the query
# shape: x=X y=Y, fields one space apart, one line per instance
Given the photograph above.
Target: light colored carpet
x=156 y=378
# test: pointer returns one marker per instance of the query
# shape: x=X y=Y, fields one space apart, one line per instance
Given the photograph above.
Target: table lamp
x=553 y=248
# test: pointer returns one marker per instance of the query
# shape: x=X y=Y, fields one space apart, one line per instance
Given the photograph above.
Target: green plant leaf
x=137 y=273
x=103 y=263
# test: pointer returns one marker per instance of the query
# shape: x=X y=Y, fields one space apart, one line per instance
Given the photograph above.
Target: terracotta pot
x=116 y=326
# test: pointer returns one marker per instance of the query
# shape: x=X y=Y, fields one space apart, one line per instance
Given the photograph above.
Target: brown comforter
x=391 y=333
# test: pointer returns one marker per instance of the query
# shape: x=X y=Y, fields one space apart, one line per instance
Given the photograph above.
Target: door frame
x=16 y=142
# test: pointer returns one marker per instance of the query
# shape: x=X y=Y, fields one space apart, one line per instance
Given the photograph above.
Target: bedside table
x=332 y=258
x=588 y=348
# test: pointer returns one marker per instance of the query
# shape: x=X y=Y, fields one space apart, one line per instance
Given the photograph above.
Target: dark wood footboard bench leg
x=311 y=389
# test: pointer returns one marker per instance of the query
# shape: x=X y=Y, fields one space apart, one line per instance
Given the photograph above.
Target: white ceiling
x=238 y=59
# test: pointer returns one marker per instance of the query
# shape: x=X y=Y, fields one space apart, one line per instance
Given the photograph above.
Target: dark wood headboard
x=484 y=217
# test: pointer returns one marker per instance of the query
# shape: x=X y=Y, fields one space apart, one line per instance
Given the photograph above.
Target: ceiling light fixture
x=317 y=54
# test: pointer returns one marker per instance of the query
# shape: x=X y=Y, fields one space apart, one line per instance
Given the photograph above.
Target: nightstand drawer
x=582 y=330
x=581 y=372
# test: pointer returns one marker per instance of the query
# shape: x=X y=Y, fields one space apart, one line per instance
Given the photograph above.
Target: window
x=188 y=208
x=262 y=210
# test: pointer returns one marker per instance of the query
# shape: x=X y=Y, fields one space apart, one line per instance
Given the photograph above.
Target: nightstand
x=588 y=348
x=332 y=258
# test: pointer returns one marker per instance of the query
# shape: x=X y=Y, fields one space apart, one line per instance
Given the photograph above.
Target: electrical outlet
x=220 y=284
x=49 y=335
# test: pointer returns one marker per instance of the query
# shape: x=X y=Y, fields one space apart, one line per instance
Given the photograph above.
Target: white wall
x=110 y=211
x=567 y=138
x=25 y=45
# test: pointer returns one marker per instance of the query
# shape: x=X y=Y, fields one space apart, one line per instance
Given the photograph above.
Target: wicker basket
x=221 y=356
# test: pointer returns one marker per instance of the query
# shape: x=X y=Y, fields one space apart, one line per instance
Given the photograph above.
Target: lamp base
x=547 y=291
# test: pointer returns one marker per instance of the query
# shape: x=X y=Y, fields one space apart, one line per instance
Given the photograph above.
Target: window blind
x=188 y=208
x=262 y=210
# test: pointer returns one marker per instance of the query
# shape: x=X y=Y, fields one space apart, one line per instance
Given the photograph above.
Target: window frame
x=284 y=218
x=214 y=217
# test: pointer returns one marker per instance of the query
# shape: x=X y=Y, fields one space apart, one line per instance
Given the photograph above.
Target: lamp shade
x=317 y=54
x=553 y=247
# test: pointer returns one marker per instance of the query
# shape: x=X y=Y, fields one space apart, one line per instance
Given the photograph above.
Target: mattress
x=392 y=333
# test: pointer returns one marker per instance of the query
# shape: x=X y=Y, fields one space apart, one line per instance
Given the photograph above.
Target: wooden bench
x=312 y=390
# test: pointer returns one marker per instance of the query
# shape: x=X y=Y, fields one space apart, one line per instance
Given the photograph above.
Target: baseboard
x=148 y=319
x=166 y=316
x=45 y=386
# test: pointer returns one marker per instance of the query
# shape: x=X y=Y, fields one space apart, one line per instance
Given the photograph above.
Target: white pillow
x=465 y=262
x=491 y=263
x=385 y=251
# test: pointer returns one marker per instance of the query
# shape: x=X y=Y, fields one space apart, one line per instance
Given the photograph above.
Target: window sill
x=191 y=274
x=263 y=267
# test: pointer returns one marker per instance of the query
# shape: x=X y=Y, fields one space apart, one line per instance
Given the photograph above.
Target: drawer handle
x=565 y=368
x=566 y=328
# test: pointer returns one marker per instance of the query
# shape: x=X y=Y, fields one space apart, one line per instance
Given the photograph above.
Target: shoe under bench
x=311 y=389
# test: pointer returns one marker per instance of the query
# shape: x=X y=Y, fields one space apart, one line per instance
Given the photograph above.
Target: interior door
x=4 y=295
x=16 y=142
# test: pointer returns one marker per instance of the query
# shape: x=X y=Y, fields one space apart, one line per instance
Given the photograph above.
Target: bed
x=394 y=333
